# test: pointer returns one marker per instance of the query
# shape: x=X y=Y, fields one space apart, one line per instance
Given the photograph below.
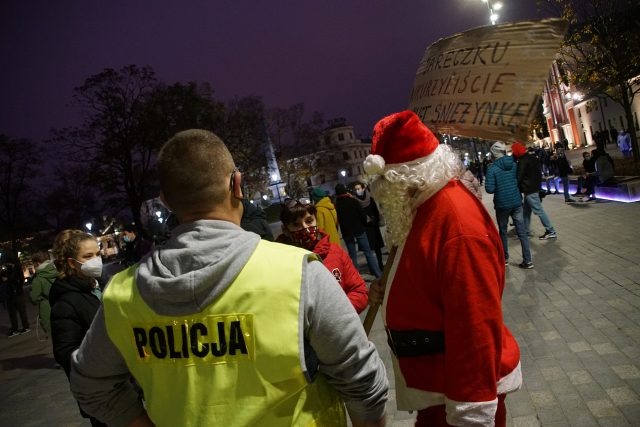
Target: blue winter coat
x=502 y=182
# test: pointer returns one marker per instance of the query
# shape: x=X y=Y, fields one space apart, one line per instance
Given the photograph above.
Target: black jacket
x=73 y=307
x=255 y=220
x=529 y=178
x=351 y=216
x=564 y=168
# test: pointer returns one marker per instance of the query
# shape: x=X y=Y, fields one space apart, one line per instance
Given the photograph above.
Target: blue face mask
x=126 y=239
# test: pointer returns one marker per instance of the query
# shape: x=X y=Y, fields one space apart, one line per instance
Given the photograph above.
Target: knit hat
x=317 y=194
x=518 y=149
x=399 y=138
x=498 y=150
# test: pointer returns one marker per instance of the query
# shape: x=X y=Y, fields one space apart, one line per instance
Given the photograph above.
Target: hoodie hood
x=47 y=271
x=194 y=266
x=505 y=163
x=325 y=203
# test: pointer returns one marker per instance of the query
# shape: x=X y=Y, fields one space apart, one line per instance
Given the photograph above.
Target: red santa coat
x=449 y=277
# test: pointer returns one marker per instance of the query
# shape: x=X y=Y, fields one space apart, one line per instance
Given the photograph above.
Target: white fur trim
x=511 y=382
x=471 y=413
x=373 y=164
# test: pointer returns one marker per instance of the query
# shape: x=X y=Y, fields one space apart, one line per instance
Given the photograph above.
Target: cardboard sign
x=486 y=82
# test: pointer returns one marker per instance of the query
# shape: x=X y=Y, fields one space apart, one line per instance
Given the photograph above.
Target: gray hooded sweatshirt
x=187 y=274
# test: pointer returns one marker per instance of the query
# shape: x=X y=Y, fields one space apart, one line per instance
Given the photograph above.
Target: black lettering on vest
x=193 y=337
x=173 y=354
x=157 y=342
x=222 y=342
x=140 y=336
x=236 y=339
x=185 y=340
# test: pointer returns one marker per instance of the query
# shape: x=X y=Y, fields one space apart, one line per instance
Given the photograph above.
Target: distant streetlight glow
x=497 y=5
x=493 y=7
x=274 y=176
x=88 y=225
x=343 y=173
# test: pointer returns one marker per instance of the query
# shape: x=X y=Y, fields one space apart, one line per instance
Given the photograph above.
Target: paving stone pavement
x=576 y=316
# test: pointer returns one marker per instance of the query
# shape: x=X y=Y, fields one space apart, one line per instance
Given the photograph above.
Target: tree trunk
x=631 y=127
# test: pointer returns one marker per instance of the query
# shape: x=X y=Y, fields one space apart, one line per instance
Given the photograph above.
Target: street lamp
x=493 y=8
x=89 y=225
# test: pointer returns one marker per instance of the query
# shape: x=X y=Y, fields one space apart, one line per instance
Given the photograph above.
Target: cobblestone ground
x=575 y=315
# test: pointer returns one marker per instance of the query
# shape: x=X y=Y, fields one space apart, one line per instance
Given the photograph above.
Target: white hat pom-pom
x=374 y=164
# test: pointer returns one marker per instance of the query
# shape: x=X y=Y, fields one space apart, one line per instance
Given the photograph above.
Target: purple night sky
x=353 y=59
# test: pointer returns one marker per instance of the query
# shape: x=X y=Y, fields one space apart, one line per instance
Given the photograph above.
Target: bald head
x=194 y=169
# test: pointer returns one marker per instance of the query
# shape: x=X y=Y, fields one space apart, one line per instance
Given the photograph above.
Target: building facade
x=572 y=116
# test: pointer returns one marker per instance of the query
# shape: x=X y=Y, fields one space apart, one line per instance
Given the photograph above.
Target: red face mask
x=306 y=238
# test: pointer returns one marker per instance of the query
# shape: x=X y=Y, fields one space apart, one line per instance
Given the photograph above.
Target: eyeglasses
x=291 y=203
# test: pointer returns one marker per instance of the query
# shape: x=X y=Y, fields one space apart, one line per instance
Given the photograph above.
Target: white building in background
x=571 y=115
x=339 y=157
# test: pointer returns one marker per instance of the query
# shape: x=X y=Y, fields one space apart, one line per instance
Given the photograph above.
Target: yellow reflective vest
x=235 y=363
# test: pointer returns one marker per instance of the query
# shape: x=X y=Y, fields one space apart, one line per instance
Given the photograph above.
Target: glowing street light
x=493 y=7
x=88 y=225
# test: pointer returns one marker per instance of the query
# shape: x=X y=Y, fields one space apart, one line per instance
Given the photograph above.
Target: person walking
x=326 y=214
x=564 y=168
x=12 y=279
x=529 y=181
x=441 y=306
x=220 y=327
x=352 y=219
x=624 y=143
x=43 y=279
x=502 y=182
x=254 y=220
x=372 y=224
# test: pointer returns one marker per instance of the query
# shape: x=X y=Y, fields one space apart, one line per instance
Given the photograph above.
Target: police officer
x=221 y=328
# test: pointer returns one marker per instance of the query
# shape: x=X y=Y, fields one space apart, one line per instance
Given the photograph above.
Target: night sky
x=354 y=59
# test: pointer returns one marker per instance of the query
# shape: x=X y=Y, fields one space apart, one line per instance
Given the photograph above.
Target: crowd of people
x=223 y=322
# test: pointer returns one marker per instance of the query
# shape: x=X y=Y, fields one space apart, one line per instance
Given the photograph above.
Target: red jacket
x=450 y=278
x=340 y=265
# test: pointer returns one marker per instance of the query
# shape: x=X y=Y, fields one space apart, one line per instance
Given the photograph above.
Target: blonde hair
x=65 y=246
x=194 y=169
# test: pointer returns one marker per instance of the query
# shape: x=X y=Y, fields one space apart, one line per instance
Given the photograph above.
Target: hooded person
x=453 y=357
x=220 y=327
x=502 y=182
x=326 y=214
x=529 y=181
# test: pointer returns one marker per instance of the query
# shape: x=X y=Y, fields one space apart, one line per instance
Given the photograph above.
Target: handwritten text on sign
x=486 y=82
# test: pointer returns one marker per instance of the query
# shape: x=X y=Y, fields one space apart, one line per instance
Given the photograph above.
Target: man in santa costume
x=454 y=359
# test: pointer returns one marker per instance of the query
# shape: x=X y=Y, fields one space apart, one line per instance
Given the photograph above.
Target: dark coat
x=351 y=216
x=563 y=166
x=255 y=220
x=372 y=225
x=73 y=307
x=529 y=177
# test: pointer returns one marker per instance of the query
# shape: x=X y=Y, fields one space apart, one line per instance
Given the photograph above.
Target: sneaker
x=13 y=334
x=569 y=201
x=526 y=265
x=548 y=235
x=24 y=331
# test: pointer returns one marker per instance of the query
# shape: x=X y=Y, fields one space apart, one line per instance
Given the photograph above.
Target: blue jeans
x=502 y=216
x=363 y=245
x=532 y=204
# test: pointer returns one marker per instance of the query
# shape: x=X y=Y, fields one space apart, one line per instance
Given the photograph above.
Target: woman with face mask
x=299 y=228
x=75 y=295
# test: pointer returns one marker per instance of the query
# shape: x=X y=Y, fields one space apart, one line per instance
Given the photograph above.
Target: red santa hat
x=399 y=138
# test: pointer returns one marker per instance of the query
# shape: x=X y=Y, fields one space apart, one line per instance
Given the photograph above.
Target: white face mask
x=92 y=268
x=360 y=192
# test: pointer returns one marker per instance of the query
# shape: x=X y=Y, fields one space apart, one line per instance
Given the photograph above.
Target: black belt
x=415 y=343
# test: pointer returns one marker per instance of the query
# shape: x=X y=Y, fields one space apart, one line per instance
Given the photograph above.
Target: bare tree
x=602 y=51
x=19 y=162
